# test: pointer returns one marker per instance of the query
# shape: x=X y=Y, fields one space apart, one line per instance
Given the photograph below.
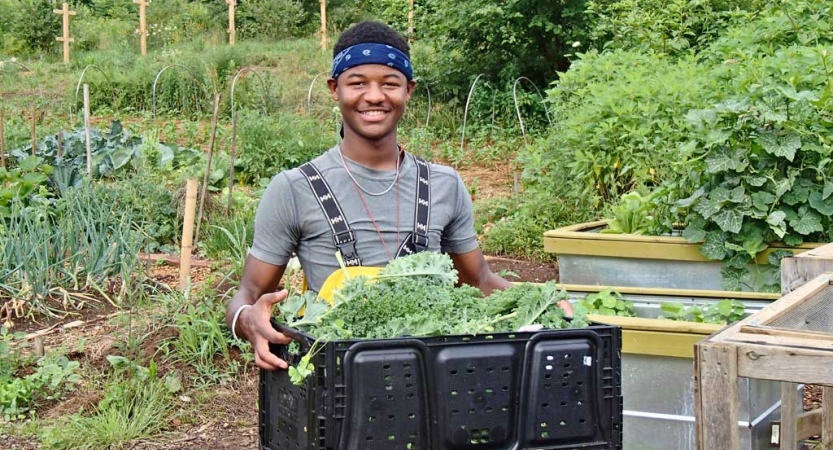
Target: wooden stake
x=87 y=130
x=208 y=164
x=411 y=21
x=789 y=416
x=188 y=233
x=65 y=13
x=34 y=128
x=143 y=26
x=60 y=138
x=232 y=31
x=827 y=418
x=233 y=155
x=2 y=139
x=323 y=4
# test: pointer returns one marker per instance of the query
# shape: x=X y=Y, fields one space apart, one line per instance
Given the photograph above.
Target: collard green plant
x=608 y=303
x=723 y=312
x=26 y=184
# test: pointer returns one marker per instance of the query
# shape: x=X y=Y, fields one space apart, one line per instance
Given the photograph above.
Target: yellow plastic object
x=336 y=279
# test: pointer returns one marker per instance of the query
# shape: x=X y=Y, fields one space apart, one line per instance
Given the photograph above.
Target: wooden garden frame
x=754 y=349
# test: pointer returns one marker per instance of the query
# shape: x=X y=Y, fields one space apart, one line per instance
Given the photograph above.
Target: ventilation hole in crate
x=505 y=389
x=563 y=423
x=545 y=434
x=470 y=370
x=548 y=376
x=391 y=437
x=412 y=416
x=563 y=403
x=565 y=384
x=543 y=424
x=472 y=411
x=581 y=383
x=582 y=421
x=579 y=403
x=407 y=376
x=466 y=339
x=373 y=398
x=545 y=405
x=504 y=369
x=567 y=374
x=547 y=386
x=386 y=367
x=454 y=412
x=368 y=438
x=489 y=337
x=490 y=369
x=548 y=367
x=371 y=419
x=409 y=385
x=453 y=393
x=504 y=409
x=567 y=356
x=490 y=391
x=453 y=372
x=511 y=336
x=388 y=387
x=412 y=435
x=388 y=377
x=389 y=397
x=550 y=357
x=471 y=391
x=489 y=409
x=567 y=365
x=411 y=395
x=410 y=446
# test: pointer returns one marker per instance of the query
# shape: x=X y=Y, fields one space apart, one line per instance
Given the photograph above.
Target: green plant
x=53 y=376
x=25 y=183
x=608 y=303
x=723 y=312
x=136 y=404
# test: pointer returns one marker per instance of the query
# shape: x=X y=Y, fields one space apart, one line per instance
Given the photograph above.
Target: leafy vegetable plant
x=723 y=312
x=608 y=303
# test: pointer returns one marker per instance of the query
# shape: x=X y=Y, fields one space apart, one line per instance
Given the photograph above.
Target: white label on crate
x=588 y=360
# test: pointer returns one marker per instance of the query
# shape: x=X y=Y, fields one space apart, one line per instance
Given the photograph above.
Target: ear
x=333 y=85
x=411 y=87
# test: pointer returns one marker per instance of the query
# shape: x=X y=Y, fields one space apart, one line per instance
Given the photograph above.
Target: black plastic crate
x=552 y=389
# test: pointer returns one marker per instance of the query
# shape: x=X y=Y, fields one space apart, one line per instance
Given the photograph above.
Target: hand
x=567 y=307
x=258 y=330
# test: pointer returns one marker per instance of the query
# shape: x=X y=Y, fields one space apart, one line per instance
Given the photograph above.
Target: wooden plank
x=797 y=365
x=799 y=269
x=707 y=293
x=777 y=308
x=784 y=332
x=827 y=417
x=783 y=342
x=716 y=399
x=789 y=416
x=677 y=345
x=666 y=326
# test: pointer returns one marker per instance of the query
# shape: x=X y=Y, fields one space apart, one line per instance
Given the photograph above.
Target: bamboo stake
x=411 y=21
x=65 y=13
x=208 y=164
x=188 y=233
x=2 y=139
x=34 y=128
x=143 y=27
x=232 y=31
x=87 y=130
x=323 y=4
x=233 y=154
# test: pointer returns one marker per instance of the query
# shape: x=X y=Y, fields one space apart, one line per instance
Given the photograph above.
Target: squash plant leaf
x=808 y=222
x=784 y=146
x=762 y=200
x=694 y=232
x=755 y=181
x=828 y=189
x=724 y=160
x=715 y=245
x=777 y=223
x=707 y=208
x=817 y=201
x=730 y=220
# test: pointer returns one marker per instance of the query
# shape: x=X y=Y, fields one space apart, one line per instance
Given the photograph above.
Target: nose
x=374 y=93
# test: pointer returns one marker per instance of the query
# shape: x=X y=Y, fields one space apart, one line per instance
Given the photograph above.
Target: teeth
x=373 y=113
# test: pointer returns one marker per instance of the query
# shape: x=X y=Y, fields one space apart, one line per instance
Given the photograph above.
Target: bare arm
x=474 y=271
x=257 y=288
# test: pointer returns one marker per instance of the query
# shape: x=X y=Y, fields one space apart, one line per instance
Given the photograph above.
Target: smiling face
x=372 y=99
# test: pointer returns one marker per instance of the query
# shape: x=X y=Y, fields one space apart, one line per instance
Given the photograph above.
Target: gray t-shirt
x=289 y=219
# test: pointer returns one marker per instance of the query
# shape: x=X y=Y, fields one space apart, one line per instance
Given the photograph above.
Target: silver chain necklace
x=374 y=194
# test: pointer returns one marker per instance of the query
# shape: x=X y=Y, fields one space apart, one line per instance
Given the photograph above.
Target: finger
x=567 y=307
x=273 y=298
x=262 y=364
x=276 y=337
x=267 y=357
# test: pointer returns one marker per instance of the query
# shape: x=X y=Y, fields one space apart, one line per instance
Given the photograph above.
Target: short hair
x=371 y=31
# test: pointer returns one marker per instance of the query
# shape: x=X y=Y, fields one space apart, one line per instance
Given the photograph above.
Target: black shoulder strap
x=417 y=241
x=343 y=237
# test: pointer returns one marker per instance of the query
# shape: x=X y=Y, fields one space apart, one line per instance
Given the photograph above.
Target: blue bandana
x=370 y=53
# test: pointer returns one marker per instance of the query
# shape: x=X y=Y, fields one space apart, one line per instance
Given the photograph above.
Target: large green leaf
x=825 y=207
x=762 y=200
x=755 y=181
x=715 y=246
x=720 y=195
x=784 y=146
x=798 y=195
x=777 y=223
x=729 y=220
x=707 y=208
x=694 y=231
x=808 y=222
x=828 y=189
x=723 y=160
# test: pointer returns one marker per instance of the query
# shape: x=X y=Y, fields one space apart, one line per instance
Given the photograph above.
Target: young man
x=367 y=197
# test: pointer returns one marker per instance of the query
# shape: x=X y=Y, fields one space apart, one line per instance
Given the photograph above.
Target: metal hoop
x=37 y=80
x=309 y=92
x=518 y=108
x=263 y=85
x=468 y=102
x=159 y=74
x=78 y=86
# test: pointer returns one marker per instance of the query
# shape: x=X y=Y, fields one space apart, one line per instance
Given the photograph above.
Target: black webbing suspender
x=343 y=236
